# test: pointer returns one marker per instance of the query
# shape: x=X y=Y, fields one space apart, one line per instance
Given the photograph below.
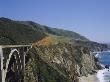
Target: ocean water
x=104 y=58
x=104 y=74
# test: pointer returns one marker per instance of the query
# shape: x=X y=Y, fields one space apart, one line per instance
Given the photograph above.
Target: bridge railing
x=10 y=46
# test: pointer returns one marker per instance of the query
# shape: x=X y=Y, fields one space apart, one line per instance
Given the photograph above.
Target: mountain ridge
x=56 y=31
x=36 y=31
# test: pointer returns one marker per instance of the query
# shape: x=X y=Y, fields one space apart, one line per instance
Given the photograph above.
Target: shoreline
x=89 y=78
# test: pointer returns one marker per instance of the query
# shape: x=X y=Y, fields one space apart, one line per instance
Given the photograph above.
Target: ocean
x=104 y=59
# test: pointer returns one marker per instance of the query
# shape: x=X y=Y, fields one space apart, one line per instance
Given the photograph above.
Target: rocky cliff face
x=62 y=62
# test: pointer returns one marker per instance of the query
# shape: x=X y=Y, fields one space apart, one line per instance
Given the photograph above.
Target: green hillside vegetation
x=55 y=31
x=65 y=33
x=12 y=32
x=28 y=32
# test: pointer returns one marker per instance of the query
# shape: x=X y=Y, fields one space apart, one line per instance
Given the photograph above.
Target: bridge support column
x=2 y=71
x=23 y=52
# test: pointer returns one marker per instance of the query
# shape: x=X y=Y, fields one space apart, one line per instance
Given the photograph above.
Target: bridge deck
x=9 y=46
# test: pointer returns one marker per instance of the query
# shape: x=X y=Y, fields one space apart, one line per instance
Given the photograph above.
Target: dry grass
x=46 y=41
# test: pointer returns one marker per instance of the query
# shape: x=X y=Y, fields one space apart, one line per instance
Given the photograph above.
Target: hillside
x=60 y=62
x=26 y=32
x=56 y=55
x=54 y=60
x=55 y=31
x=12 y=32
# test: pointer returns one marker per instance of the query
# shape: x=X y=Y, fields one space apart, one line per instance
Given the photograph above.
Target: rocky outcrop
x=62 y=62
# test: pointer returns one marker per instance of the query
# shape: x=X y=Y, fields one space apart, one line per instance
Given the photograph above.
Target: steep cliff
x=61 y=62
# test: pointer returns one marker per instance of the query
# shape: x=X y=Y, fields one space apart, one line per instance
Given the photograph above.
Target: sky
x=90 y=18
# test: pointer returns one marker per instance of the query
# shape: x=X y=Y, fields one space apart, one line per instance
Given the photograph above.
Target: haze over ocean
x=90 y=18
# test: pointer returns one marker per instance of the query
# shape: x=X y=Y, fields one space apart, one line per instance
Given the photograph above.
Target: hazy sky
x=90 y=18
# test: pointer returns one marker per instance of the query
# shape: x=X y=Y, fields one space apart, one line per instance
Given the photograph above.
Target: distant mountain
x=26 y=32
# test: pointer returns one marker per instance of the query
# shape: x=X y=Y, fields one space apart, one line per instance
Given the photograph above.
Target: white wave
x=97 y=55
x=102 y=65
x=104 y=75
x=108 y=51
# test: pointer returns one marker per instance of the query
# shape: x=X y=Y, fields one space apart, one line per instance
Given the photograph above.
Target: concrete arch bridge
x=12 y=62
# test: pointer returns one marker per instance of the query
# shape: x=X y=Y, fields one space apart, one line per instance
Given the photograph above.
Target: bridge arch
x=13 y=56
x=13 y=65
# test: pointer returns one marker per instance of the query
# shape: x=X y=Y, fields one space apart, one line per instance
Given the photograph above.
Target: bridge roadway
x=10 y=46
x=12 y=62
